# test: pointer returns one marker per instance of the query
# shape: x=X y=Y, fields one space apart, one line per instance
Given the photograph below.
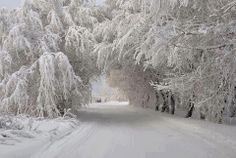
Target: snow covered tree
x=189 y=44
x=46 y=56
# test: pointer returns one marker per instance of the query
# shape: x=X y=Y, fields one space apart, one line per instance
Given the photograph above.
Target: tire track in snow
x=54 y=147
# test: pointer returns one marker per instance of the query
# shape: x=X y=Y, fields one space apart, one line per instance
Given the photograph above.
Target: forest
x=161 y=54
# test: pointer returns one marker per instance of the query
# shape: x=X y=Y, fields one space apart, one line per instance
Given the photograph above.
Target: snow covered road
x=120 y=131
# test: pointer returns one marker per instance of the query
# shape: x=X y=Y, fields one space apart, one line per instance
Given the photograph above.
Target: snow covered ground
x=118 y=131
x=21 y=136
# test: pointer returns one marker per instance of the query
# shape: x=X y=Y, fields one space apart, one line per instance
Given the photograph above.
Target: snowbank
x=13 y=128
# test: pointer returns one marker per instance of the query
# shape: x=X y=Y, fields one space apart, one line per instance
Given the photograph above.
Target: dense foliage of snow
x=157 y=52
x=185 y=46
x=46 y=62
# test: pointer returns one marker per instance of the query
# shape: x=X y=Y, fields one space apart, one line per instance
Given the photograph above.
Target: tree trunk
x=190 y=111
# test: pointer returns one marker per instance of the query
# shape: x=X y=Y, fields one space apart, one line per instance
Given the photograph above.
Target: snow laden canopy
x=46 y=62
x=50 y=50
x=183 y=46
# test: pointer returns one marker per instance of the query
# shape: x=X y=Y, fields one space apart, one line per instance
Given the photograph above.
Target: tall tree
x=46 y=62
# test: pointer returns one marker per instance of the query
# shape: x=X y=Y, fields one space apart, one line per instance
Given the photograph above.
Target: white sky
x=17 y=3
x=10 y=3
